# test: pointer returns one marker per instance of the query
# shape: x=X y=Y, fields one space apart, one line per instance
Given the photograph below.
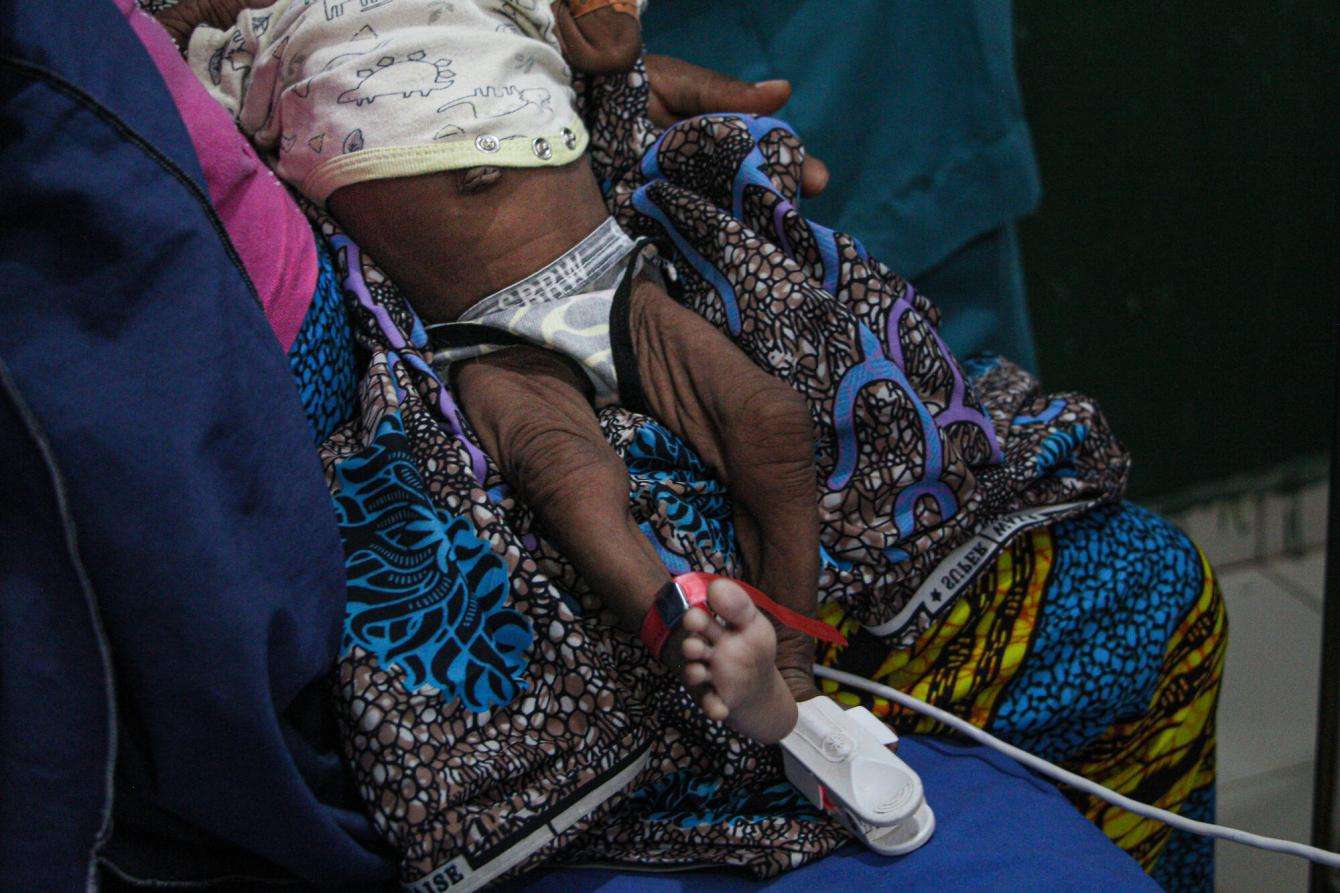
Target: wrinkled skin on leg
x=755 y=432
x=531 y=413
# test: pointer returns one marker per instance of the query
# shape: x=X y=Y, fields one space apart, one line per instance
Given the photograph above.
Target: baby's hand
x=599 y=36
x=182 y=18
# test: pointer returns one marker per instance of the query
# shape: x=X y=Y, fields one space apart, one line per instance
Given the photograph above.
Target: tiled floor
x=1267 y=724
x=1267 y=716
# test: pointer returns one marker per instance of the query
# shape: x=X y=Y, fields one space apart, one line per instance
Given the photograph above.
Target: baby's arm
x=599 y=36
x=184 y=17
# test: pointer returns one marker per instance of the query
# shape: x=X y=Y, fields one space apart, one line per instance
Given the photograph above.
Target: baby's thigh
x=701 y=384
x=531 y=411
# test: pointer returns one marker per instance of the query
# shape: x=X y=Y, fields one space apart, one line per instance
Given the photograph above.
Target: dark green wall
x=1184 y=265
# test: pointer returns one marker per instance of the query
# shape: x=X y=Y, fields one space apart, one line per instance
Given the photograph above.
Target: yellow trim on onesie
x=564 y=146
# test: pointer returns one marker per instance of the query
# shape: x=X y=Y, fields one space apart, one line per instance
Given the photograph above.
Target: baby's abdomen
x=447 y=247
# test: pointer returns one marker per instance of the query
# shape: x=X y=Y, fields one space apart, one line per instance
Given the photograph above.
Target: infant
x=442 y=136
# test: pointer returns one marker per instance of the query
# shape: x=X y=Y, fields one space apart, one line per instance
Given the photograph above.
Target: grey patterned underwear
x=575 y=306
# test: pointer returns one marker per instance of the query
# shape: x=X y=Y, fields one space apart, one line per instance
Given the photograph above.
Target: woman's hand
x=681 y=90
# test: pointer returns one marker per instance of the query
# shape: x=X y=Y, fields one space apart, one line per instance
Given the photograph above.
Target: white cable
x=1042 y=767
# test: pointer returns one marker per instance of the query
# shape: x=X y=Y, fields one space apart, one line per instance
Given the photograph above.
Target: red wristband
x=687 y=591
x=667 y=613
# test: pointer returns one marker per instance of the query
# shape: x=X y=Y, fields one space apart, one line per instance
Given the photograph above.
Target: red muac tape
x=687 y=591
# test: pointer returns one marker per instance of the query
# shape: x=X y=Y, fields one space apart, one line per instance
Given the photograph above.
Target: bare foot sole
x=730 y=666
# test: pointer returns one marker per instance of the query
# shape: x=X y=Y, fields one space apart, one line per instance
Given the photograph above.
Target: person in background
x=941 y=166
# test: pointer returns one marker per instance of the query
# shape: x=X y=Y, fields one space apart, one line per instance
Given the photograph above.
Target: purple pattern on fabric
x=701 y=265
x=956 y=410
x=353 y=280
x=877 y=367
x=446 y=404
x=753 y=171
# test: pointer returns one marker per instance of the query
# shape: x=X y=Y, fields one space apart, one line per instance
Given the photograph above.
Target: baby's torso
x=341 y=91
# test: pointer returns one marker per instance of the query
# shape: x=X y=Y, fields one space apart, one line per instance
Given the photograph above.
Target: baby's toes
x=714 y=706
x=698 y=622
x=731 y=603
x=696 y=673
x=695 y=649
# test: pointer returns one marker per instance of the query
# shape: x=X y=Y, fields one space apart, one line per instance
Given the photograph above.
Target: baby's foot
x=730 y=666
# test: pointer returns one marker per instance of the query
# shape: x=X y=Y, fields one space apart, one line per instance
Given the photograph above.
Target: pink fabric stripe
x=270 y=233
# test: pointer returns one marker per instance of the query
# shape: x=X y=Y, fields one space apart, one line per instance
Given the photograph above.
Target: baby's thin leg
x=756 y=433
x=530 y=411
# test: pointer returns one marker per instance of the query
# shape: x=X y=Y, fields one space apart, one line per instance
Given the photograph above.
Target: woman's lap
x=1097 y=642
x=1115 y=595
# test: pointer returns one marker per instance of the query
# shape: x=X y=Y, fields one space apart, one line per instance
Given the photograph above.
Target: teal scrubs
x=915 y=108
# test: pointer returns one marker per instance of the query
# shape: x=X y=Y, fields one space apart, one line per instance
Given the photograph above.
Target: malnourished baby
x=442 y=136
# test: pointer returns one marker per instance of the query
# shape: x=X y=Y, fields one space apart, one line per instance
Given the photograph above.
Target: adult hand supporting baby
x=681 y=90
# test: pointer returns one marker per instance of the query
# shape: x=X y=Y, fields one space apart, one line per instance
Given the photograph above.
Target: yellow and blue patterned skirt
x=1097 y=643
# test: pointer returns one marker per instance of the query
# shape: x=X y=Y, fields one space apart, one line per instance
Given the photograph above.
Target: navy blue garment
x=164 y=711
x=998 y=828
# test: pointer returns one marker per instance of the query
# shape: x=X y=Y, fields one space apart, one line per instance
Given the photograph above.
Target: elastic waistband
x=582 y=264
x=553 y=149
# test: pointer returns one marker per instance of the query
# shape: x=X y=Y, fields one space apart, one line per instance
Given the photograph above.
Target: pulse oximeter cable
x=1078 y=782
